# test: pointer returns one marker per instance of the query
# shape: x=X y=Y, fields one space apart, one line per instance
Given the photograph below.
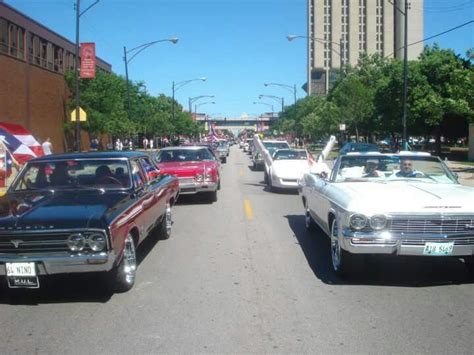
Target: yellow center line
x=248 y=209
x=241 y=173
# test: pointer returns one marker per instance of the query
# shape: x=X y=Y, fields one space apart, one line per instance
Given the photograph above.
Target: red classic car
x=84 y=212
x=196 y=168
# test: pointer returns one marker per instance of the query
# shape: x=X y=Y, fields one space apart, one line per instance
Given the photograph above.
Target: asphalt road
x=242 y=275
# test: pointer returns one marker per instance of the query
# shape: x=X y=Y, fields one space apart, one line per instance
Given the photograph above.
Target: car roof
x=91 y=155
x=187 y=147
x=274 y=141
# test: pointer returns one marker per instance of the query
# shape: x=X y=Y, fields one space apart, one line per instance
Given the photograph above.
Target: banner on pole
x=87 y=61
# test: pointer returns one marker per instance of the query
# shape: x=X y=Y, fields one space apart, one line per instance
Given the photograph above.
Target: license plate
x=438 y=248
x=22 y=275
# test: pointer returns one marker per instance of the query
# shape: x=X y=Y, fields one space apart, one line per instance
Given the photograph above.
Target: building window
x=362 y=26
x=379 y=29
x=327 y=33
x=344 y=31
x=3 y=36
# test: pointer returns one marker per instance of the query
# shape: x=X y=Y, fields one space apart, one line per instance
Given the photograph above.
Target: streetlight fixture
x=277 y=98
x=264 y=103
x=291 y=88
x=139 y=49
x=195 y=98
x=176 y=86
x=324 y=41
x=201 y=104
x=78 y=92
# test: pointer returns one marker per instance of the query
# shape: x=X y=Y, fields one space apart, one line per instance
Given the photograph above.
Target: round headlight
x=76 y=242
x=378 y=222
x=358 y=221
x=96 y=242
x=199 y=177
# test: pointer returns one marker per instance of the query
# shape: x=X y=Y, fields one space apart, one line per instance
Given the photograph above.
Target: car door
x=145 y=199
x=155 y=187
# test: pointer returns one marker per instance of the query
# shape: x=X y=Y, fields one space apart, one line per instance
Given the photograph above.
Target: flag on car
x=212 y=132
x=19 y=142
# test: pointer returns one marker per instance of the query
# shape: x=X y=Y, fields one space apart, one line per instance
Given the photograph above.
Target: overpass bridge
x=238 y=124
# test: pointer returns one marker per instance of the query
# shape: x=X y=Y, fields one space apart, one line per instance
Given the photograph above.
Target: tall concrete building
x=339 y=31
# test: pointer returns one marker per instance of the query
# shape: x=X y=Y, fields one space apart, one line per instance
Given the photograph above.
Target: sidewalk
x=464 y=171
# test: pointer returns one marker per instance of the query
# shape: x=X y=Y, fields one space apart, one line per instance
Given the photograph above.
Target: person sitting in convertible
x=407 y=170
x=370 y=169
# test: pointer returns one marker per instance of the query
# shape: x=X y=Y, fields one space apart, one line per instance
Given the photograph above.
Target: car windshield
x=361 y=147
x=387 y=168
x=177 y=155
x=67 y=174
x=288 y=154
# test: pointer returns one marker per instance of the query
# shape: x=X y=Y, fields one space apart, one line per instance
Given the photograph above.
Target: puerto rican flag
x=19 y=142
x=212 y=132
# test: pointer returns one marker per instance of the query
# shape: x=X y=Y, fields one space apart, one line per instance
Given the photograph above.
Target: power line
x=433 y=36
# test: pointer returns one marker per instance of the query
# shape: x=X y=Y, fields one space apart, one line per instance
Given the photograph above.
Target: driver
x=407 y=170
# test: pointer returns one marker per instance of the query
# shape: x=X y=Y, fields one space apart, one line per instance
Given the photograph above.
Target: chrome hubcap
x=129 y=260
x=335 y=248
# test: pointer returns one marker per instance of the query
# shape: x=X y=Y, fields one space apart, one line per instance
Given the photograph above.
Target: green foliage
x=368 y=99
x=105 y=101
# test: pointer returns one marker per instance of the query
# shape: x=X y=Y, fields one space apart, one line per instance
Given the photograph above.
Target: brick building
x=33 y=60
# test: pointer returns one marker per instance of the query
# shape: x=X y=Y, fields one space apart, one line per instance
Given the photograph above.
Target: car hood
x=185 y=169
x=404 y=197
x=58 y=210
x=290 y=169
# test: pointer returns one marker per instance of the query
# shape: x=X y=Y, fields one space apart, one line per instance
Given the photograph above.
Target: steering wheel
x=106 y=180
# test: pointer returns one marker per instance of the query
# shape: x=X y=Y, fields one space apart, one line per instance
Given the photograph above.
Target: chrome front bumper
x=196 y=187
x=285 y=183
x=61 y=263
x=402 y=244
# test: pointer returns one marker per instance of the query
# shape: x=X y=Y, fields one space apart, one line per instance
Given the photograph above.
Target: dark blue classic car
x=84 y=212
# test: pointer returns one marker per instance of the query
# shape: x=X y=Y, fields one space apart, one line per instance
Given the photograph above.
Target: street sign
x=82 y=115
x=342 y=127
x=87 y=61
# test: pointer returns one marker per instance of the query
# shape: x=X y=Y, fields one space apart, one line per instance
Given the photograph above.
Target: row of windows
x=15 y=41
x=327 y=33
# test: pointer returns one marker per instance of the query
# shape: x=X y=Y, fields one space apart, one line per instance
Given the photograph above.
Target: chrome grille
x=422 y=241
x=31 y=243
x=186 y=180
x=431 y=224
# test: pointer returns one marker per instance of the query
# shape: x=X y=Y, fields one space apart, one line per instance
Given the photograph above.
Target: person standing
x=151 y=144
x=145 y=143
x=47 y=147
x=94 y=144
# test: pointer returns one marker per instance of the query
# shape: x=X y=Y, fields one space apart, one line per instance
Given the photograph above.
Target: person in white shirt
x=47 y=147
x=151 y=143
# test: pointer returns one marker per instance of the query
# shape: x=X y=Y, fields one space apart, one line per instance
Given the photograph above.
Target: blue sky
x=237 y=44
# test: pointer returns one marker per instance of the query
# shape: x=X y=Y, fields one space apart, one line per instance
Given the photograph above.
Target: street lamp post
x=201 y=104
x=277 y=98
x=126 y=60
x=325 y=41
x=264 y=103
x=291 y=88
x=176 y=86
x=191 y=100
x=77 y=69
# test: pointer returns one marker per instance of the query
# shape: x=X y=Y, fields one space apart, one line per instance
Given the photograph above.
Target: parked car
x=393 y=204
x=359 y=147
x=287 y=168
x=196 y=168
x=81 y=213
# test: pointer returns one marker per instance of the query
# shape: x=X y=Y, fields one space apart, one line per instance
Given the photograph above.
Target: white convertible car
x=401 y=204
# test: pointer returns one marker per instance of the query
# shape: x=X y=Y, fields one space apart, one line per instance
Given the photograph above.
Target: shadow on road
x=377 y=270
x=196 y=199
x=70 y=288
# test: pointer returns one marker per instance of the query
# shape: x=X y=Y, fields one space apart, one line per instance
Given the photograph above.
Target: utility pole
x=172 y=103
x=405 y=80
x=78 y=94
x=126 y=78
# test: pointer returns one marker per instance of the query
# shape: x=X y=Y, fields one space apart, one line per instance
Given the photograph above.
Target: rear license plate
x=438 y=248
x=22 y=275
